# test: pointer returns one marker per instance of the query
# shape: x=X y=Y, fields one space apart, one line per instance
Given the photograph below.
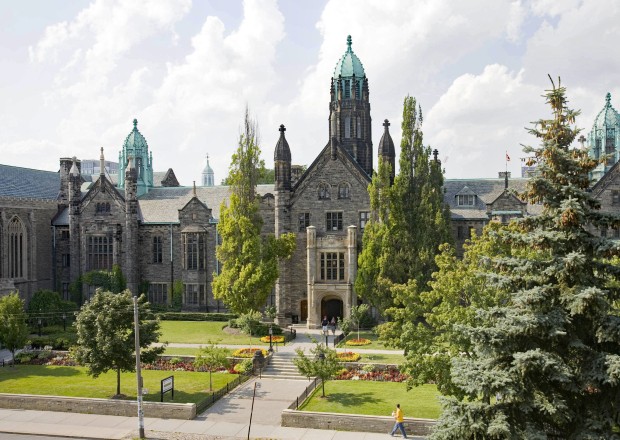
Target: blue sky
x=75 y=74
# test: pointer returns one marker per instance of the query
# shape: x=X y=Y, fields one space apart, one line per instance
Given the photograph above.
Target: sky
x=75 y=74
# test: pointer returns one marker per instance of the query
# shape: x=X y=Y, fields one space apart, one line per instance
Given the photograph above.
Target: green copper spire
x=604 y=138
x=349 y=64
x=135 y=146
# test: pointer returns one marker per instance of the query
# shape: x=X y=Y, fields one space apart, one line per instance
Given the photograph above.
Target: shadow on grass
x=345 y=399
x=26 y=371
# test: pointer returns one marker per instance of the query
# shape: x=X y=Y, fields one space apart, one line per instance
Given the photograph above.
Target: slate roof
x=486 y=190
x=28 y=183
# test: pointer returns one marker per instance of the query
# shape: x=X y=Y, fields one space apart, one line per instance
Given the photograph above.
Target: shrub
x=274 y=339
x=175 y=360
x=243 y=366
x=368 y=368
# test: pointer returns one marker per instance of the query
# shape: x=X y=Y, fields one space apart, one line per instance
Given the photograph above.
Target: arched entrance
x=332 y=307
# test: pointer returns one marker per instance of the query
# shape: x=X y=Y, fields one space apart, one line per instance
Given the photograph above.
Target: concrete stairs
x=281 y=366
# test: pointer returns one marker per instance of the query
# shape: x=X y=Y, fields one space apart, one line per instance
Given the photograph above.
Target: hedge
x=195 y=316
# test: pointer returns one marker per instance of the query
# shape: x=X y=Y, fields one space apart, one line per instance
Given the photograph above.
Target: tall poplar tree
x=249 y=259
x=409 y=222
x=547 y=358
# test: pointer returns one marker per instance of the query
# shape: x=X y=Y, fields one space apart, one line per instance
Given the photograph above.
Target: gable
x=102 y=191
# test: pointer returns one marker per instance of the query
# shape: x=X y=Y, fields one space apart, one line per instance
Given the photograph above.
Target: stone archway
x=332 y=307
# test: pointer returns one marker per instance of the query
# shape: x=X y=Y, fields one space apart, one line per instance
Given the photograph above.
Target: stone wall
x=352 y=422
x=110 y=407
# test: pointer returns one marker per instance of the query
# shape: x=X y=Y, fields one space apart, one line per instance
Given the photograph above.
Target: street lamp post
x=39 y=326
x=64 y=322
x=270 y=337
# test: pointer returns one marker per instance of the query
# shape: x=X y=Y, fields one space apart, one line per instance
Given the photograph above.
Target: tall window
x=194 y=294
x=17 y=248
x=194 y=246
x=99 y=252
x=304 y=221
x=158 y=249
x=347 y=89
x=358 y=131
x=66 y=260
x=324 y=191
x=610 y=147
x=364 y=217
x=158 y=293
x=332 y=266
x=347 y=127
x=333 y=221
x=344 y=191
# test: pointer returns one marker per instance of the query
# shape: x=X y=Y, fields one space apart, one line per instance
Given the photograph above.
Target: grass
x=189 y=387
x=200 y=332
x=375 y=399
x=379 y=358
x=375 y=343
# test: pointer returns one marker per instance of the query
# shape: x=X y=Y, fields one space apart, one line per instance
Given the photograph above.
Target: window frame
x=333 y=218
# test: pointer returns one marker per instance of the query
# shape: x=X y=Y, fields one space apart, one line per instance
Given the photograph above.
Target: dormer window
x=466 y=199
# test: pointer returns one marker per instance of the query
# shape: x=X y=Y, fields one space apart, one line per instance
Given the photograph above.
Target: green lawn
x=379 y=358
x=189 y=387
x=182 y=351
x=200 y=332
x=375 y=398
x=368 y=334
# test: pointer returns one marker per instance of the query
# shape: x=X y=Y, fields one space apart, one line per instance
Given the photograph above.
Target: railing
x=338 y=339
x=216 y=395
x=305 y=393
x=290 y=335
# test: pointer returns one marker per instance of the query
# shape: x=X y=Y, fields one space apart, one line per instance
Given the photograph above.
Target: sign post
x=167 y=384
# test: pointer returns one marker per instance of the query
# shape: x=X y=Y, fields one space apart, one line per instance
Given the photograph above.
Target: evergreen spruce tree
x=547 y=359
x=249 y=259
x=409 y=222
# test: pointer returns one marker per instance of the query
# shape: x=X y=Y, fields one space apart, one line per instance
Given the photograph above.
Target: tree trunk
x=118 y=381
x=210 y=382
x=13 y=356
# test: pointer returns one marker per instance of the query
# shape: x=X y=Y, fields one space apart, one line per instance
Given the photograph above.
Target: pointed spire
x=283 y=151
x=74 y=169
x=135 y=124
x=101 y=163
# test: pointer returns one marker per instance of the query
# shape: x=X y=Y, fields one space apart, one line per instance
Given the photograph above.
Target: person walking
x=400 y=418
x=324 y=324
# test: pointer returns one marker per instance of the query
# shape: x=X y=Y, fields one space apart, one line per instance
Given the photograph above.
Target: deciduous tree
x=13 y=328
x=249 y=258
x=106 y=336
x=211 y=357
x=322 y=364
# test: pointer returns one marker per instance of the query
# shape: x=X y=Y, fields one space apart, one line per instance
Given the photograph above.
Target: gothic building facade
x=55 y=227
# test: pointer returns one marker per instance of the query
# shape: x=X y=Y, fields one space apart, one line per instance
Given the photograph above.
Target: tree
x=549 y=353
x=249 y=259
x=323 y=364
x=106 y=337
x=46 y=305
x=211 y=357
x=409 y=222
x=266 y=176
x=357 y=314
x=13 y=328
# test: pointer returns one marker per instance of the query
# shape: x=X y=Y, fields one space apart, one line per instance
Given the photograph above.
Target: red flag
x=507 y=157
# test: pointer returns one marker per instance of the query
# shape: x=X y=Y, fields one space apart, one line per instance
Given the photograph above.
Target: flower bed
x=357 y=342
x=389 y=375
x=247 y=352
x=274 y=339
x=348 y=356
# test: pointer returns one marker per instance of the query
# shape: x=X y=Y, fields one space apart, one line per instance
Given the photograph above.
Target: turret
x=136 y=146
x=604 y=138
x=75 y=199
x=282 y=162
x=386 y=149
x=208 y=177
x=349 y=117
x=131 y=226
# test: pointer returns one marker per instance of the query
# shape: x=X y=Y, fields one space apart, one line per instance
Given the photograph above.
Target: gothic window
x=364 y=217
x=66 y=295
x=347 y=89
x=597 y=148
x=66 y=260
x=158 y=249
x=99 y=252
x=344 y=191
x=158 y=293
x=358 y=130
x=194 y=294
x=324 y=191
x=465 y=200
x=17 y=249
x=332 y=266
x=102 y=208
x=610 y=147
x=347 y=127
x=194 y=248
x=333 y=221
x=304 y=221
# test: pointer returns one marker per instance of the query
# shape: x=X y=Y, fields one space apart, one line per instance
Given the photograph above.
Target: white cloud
x=479 y=118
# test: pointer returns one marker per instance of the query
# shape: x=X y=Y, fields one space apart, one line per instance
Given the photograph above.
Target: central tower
x=349 y=109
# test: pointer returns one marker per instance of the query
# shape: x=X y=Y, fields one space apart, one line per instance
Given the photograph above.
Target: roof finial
x=608 y=98
x=349 y=43
x=135 y=123
x=386 y=124
x=101 y=163
x=435 y=154
x=282 y=129
x=194 y=188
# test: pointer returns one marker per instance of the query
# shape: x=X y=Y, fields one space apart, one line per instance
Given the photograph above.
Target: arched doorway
x=332 y=307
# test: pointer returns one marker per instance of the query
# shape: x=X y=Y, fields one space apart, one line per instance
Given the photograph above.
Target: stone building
x=55 y=227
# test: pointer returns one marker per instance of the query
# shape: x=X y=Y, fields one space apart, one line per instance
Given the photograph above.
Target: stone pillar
x=282 y=226
x=75 y=239
x=352 y=269
x=131 y=228
x=313 y=309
